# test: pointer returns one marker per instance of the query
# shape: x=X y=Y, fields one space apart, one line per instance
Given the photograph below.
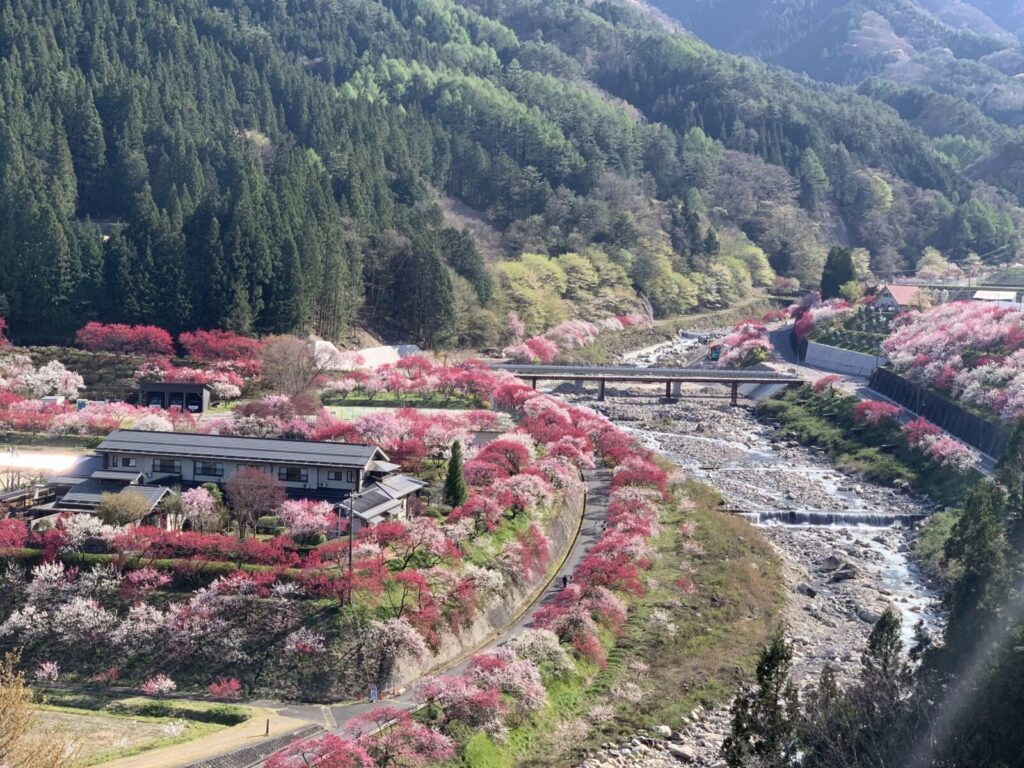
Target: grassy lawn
x=720 y=630
x=108 y=727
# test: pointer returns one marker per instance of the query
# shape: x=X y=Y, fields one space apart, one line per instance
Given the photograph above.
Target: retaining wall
x=829 y=358
x=561 y=531
x=987 y=436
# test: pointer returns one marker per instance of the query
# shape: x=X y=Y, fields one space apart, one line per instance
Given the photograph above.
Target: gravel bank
x=840 y=575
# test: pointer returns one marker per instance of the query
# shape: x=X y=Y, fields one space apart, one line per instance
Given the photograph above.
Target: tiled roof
x=243 y=449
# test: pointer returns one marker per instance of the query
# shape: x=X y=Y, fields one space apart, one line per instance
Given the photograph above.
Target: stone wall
x=561 y=530
x=845 y=361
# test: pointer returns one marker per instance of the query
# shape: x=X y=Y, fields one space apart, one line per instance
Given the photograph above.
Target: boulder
x=832 y=562
x=867 y=615
x=662 y=730
x=683 y=752
x=806 y=589
x=845 y=572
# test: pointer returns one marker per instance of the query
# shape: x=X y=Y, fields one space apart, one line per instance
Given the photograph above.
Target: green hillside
x=294 y=166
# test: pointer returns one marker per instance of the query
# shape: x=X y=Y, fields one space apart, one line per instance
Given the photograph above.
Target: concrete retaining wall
x=838 y=360
x=561 y=530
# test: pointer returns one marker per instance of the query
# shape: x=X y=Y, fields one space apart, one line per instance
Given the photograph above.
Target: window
x=292 y=474
x=167 y=466
x=258 y=467
x=126 y=462
x=209 y=468
x=342 y=475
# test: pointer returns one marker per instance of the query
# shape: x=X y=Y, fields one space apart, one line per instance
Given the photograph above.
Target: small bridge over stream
x=672 y=378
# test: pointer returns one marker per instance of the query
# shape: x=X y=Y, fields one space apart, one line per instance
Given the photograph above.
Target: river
x=844 y=543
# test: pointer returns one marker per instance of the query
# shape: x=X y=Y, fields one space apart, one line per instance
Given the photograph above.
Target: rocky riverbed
x=844 y=544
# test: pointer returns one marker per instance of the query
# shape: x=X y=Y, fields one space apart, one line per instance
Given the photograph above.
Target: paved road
x=333 y=717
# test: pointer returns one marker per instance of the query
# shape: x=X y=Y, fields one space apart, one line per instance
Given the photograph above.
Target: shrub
x=125 y=339
x=217 y=346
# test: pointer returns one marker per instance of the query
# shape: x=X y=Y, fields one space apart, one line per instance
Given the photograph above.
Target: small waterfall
x=826 y=519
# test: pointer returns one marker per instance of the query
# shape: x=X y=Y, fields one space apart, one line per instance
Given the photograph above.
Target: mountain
x=970 y=50
x=421 y=167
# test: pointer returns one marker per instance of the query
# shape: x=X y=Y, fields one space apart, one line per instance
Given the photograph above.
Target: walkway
x=333 y=717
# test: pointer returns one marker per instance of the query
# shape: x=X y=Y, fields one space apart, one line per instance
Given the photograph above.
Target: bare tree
x=290 y=365
x=252 y=494
x=19 y=746
x=122 y=508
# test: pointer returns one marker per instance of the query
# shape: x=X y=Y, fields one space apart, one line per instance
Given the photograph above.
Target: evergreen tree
x=882 y=692
x=454 y=482
x=765 y=720
x=839 y=269
x=1010 y=474
x=814 y=184
x=977 y=549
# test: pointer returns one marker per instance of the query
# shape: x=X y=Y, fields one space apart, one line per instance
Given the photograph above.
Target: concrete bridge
x=672 y=378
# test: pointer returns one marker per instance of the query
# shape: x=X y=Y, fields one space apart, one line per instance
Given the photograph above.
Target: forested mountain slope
x=276 y=166
x=970 y=50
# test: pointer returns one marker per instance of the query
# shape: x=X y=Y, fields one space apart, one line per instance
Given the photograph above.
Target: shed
x=194 y=398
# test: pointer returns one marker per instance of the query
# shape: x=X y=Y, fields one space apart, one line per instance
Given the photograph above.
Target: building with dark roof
x=307 y=469
x=194 y=398
x=386 y=499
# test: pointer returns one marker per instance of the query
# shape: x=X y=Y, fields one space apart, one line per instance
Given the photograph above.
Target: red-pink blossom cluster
x=125 y=339
x=392 y=739
x=747 y=344
x=827 y=382
x=930 y=440
x=875 y=412
x=813 y=313
x=215 y=346
x=224 y=382
x=972 y=350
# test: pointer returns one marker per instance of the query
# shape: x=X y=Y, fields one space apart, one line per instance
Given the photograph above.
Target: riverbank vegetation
x=869 y=440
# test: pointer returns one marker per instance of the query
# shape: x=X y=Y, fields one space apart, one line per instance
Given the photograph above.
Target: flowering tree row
x=19 y=378
x=95 y=419
x=972 y=350
x=501 y=689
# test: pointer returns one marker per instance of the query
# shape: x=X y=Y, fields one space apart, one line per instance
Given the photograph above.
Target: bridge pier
x=735 y=393
x=579 y=386
x=668 y=390
x=600 y=389
x=533 y=382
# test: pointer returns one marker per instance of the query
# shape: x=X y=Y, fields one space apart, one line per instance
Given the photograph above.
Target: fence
x=987 y=436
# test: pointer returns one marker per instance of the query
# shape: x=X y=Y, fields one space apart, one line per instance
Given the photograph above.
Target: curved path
x=334 y=717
